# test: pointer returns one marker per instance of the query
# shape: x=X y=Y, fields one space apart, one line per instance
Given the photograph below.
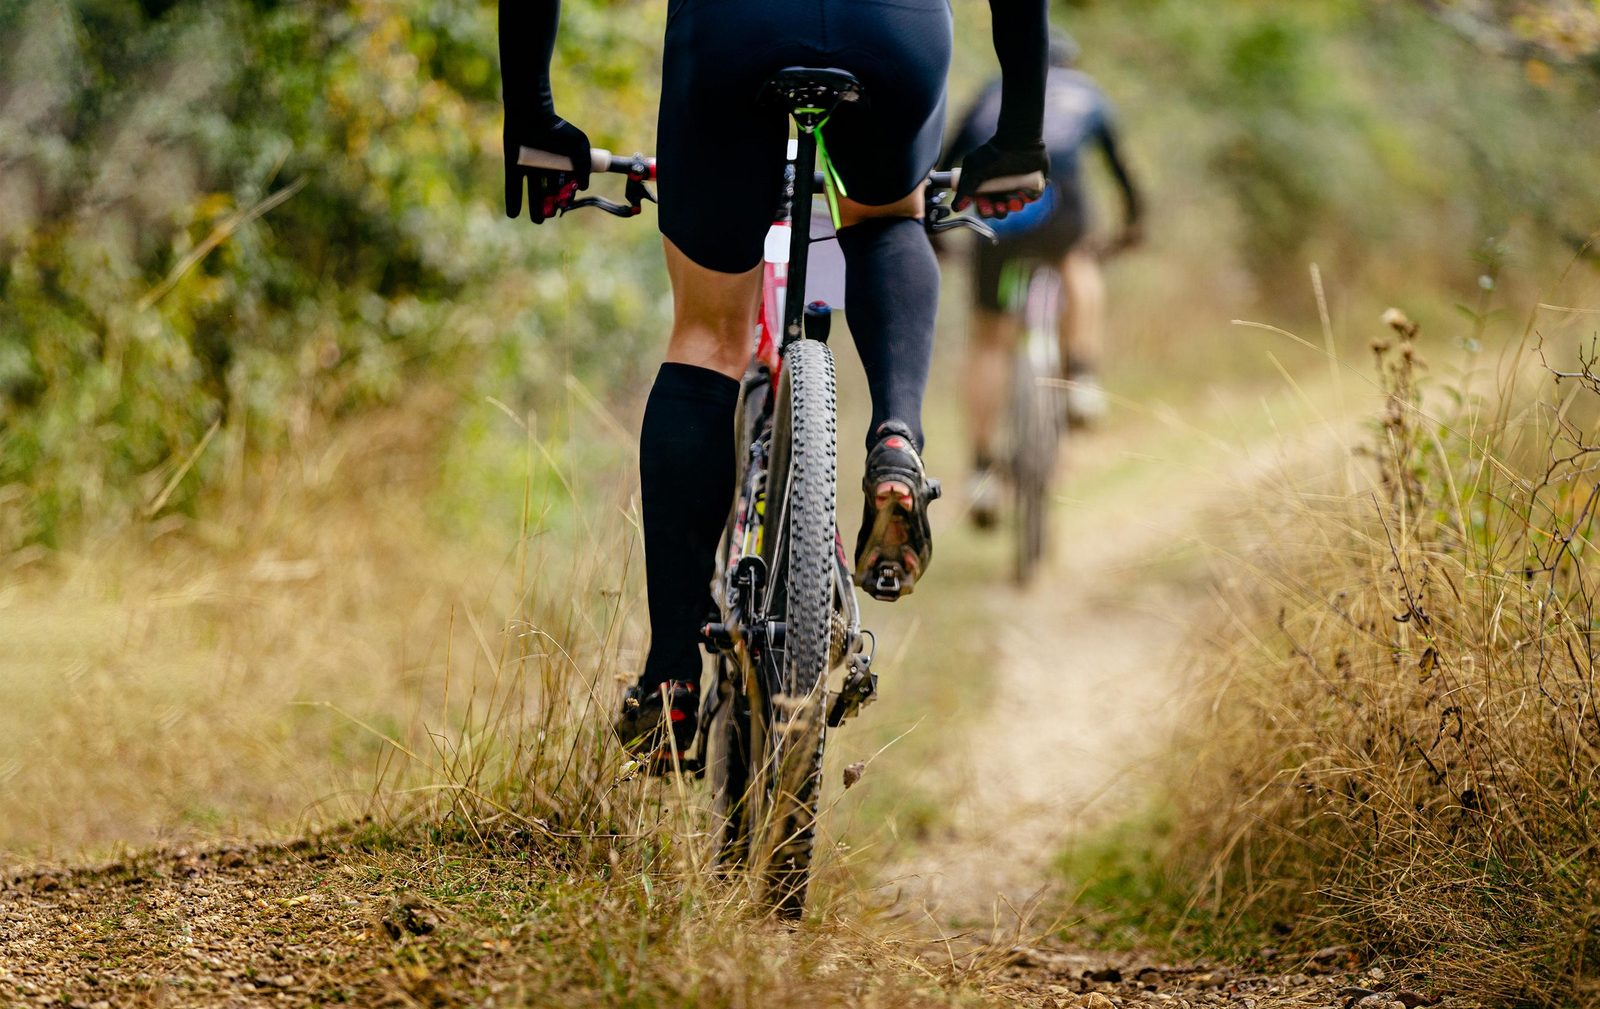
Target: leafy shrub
x=258 y=217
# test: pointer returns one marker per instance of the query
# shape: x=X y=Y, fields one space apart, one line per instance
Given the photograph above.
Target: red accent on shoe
x=676 y=715
x=894 y=441
x=893 y=493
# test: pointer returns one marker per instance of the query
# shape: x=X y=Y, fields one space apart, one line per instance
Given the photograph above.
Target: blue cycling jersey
x=1076 y=114
x=1031 y=217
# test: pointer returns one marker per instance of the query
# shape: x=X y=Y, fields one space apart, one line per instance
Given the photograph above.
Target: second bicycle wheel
x=1035 y=422
x=799 y=547
x=733 y=748
x=728 y=766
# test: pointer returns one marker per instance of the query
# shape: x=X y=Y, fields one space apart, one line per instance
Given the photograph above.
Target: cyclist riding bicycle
x=719 y=160
x=1055 y=230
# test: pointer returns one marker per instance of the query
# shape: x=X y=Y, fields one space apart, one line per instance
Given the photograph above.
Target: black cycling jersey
x=1021 y=28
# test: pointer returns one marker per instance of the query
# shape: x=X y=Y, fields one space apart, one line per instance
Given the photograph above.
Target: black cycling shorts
x=720 y=153
x=1049 y=242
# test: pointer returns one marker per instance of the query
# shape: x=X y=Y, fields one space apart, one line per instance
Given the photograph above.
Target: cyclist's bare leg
x=988 y=366
x=1083 y=309
x=686 y=477
x=713 y=314
x=988 y=369
x=891 y=298
x=1083 y=315
x=913 y=206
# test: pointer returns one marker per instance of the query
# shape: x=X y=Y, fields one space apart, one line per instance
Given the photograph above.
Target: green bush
x=264 y=216
x=1367 y=137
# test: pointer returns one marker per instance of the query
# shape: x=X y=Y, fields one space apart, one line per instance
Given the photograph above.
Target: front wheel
x=1035 y=420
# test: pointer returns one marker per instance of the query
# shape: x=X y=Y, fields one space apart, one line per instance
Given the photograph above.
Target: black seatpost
x=805 y=167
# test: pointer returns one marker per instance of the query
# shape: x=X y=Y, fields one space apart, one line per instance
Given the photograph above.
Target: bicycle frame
x=784 y=267
x=787 y=252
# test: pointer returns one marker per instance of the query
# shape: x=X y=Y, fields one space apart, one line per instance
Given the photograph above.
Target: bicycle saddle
x=811 y=88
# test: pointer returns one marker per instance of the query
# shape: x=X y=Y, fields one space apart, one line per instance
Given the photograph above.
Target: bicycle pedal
x=717 y=637
x=886 y=586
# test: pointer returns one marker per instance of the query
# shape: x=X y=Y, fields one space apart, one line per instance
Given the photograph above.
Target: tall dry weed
x=1403 y=739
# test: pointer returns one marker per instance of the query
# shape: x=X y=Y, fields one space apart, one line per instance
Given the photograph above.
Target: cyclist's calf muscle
x=713 y=315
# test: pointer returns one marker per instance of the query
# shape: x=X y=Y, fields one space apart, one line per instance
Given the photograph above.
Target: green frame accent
x=832 y=184
x=1014 y=276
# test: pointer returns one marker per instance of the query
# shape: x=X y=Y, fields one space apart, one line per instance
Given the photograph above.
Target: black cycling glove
x=994 y=161
x=548 y=191
x=1021 y=43
x=527 y=41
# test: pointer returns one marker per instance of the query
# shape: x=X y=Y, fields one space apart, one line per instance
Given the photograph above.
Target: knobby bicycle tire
x=1035 y=427
x=732 y=747
x=728 y=767
x=802 y=557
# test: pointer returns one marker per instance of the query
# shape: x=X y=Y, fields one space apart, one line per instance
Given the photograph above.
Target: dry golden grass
x=261 y=670
x=1399 y=744
x=167 y=688
x=320 y=651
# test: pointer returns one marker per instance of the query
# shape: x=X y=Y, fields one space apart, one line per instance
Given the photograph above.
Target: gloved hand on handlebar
x=994 y=161
x=548 y=191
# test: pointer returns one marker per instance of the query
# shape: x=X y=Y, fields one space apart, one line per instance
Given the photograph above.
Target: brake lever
x=941 y=218
x=636 y=193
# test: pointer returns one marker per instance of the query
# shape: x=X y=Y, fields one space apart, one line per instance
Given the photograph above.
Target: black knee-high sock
x=686 y=473
x=891 y=297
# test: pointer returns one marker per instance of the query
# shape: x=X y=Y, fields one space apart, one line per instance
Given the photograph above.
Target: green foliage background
x=145 y=299
x=1365 y=136
x=134 y=136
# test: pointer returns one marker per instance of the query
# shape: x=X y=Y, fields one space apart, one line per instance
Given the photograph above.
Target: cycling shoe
x=655 y=725
x=895 y=544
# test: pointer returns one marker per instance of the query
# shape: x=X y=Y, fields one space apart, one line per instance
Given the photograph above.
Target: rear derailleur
x=860 y=686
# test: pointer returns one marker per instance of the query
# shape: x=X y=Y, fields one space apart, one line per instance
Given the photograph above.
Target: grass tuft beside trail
x=1396 y=745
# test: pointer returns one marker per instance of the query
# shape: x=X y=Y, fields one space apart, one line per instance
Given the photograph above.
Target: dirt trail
x=1089 y=669
x=1089 y=663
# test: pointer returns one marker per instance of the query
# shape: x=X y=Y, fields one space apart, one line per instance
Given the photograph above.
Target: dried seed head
x=1400 y=323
